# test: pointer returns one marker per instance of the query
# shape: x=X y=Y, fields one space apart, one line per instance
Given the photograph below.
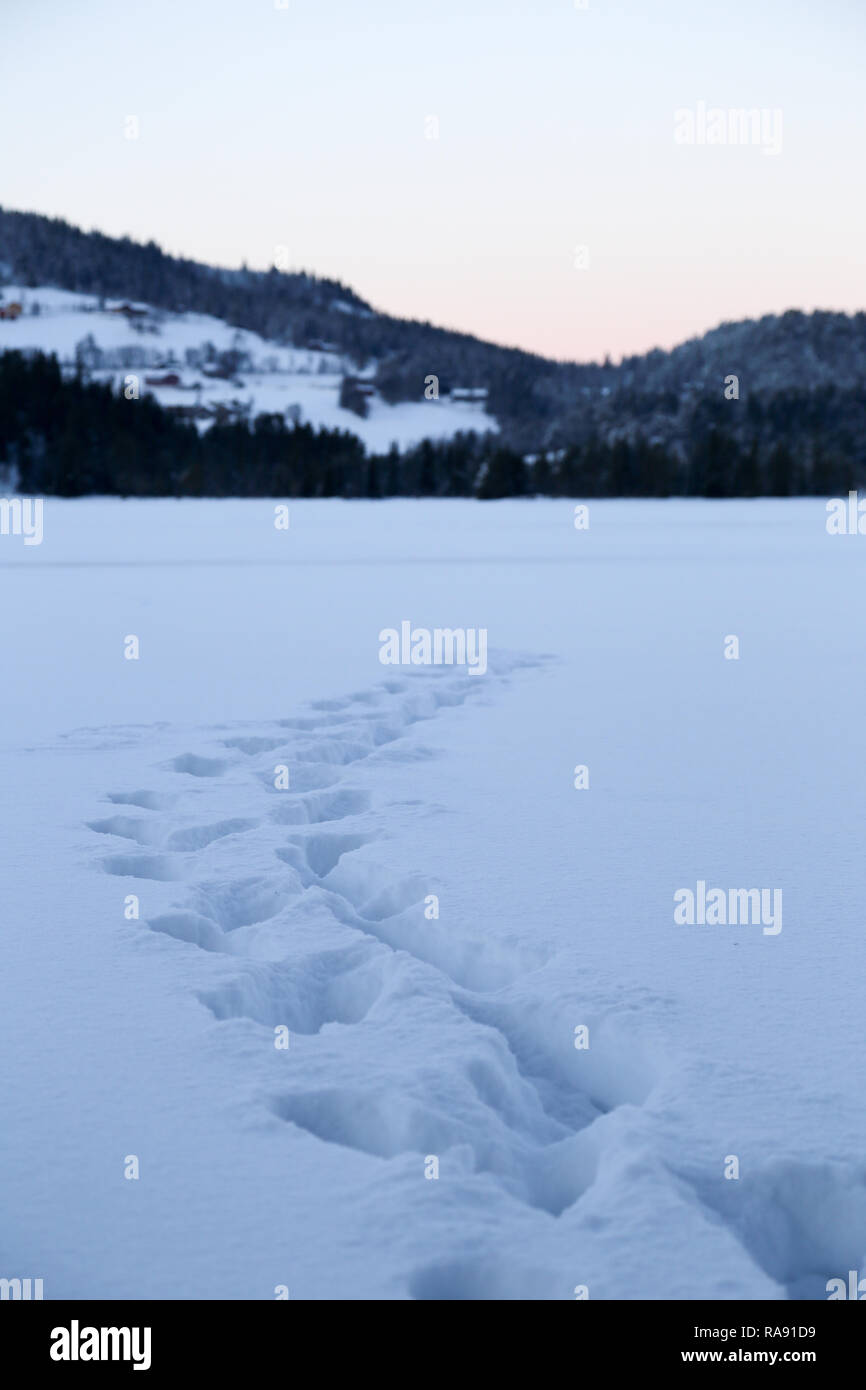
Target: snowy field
x=420 y=1043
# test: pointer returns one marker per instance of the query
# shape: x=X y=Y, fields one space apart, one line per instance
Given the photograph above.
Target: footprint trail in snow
x=296 y=891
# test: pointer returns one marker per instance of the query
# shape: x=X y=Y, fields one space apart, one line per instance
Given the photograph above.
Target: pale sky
x=306 y=127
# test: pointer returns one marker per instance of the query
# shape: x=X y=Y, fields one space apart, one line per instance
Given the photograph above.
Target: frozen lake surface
x=510 y=1072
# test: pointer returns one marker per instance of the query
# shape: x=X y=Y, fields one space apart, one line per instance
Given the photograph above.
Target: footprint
x=148 y=801
x=198 y=836
x=548 y=1174
x=575 y=1086
x=156 y=866
x=191 y=927
x=317 y=808
x=324 y=850
x=197 y=766
x=244 y=901
x=251 y=746
x=383 y=1125
x=336 y=805
x=364 y=697
x=803 y=1223
x=395 y=899
x=393 y=913
x=144 y=832
x=335 y=987
x=333 y=752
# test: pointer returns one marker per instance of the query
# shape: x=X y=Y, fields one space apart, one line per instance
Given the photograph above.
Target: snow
x=283 y=377
x=414 y=1037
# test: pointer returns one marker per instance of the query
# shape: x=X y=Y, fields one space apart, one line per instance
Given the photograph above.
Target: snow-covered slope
x=412 y=1036
x=303 y=382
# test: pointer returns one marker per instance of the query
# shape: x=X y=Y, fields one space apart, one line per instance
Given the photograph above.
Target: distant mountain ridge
x=284 y=307
x=799 y=377
x=774 y=352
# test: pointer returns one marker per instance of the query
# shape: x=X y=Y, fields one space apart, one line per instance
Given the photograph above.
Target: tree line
x=70 y=437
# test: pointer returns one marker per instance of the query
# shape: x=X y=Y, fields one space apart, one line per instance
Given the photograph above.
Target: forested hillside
x=71 y=437
x=768 y=406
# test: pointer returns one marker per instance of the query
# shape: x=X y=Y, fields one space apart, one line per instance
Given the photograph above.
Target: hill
x=774 y=405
